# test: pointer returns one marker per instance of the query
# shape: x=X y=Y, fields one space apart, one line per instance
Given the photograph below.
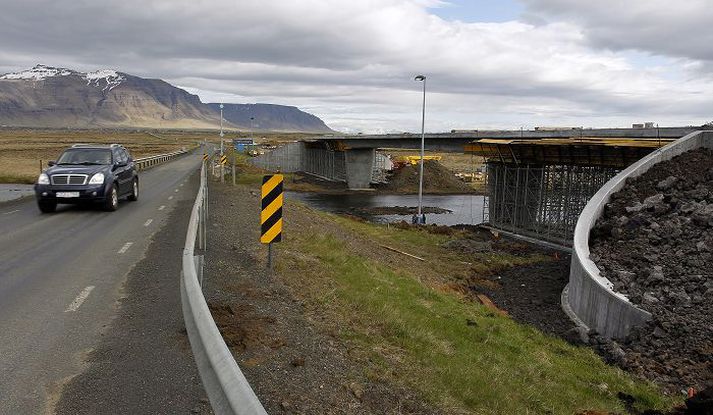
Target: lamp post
x=222 y=171
x=421 y=218
x=221 y=129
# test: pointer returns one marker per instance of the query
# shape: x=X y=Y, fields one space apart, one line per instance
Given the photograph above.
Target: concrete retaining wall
x=589 y=295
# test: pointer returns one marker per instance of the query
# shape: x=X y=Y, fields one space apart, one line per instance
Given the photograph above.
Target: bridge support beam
x=359 y=165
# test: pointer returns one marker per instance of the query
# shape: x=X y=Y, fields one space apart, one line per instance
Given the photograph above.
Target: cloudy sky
x=489 y=63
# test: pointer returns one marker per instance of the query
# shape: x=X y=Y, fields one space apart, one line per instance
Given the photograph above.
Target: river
x=466 y=209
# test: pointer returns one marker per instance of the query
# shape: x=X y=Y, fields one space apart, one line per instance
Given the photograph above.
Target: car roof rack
x=114 y=145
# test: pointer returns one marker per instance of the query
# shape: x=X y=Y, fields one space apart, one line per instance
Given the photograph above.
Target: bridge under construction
x=538 y=188
x=537 y=181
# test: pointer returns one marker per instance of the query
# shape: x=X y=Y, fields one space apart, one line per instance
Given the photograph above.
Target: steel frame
x=541 y=201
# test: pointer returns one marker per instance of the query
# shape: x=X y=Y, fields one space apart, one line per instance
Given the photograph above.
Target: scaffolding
x=541 y=201
x=324 y=163
x=320 y=161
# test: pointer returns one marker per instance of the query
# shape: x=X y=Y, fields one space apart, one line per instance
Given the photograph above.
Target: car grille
x=71 y=179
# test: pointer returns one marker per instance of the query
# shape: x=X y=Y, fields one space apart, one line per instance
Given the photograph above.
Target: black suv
x=87 y=173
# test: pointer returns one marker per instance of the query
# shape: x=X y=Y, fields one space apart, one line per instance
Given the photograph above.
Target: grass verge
x=405 y=325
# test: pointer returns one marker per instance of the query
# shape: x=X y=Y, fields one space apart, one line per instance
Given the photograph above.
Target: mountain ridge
x=46 y=96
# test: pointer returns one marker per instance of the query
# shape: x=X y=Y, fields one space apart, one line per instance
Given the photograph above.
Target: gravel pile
x=436 y=179
x=655 y=244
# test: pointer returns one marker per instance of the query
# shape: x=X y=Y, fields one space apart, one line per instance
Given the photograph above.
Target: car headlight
x=97 y=179
x=43 y=179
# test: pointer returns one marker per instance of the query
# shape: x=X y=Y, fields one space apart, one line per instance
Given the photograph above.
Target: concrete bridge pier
x=359 y=164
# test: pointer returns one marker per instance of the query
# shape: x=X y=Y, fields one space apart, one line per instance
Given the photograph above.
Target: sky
x=506 y=64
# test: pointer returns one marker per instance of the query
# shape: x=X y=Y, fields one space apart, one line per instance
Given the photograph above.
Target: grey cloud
x=357 y=58
x=681 y=29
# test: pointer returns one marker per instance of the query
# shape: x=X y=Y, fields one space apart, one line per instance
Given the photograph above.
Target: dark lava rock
x=655 y=244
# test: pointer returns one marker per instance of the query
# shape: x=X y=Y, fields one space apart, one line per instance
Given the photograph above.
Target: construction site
x=612 y=285
x=538 y=187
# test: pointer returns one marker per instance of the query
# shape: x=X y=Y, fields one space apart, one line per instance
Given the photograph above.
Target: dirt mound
x=655 y=244
x=436 y=179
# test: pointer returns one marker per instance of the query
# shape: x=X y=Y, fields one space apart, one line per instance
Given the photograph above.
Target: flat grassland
x=23 y=151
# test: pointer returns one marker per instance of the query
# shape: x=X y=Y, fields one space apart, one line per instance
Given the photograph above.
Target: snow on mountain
x=106 y=79
x=110 y=77
x=38 y=73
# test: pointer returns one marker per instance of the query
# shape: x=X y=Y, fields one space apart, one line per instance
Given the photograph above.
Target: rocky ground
x=531 y=294
x=655 y=244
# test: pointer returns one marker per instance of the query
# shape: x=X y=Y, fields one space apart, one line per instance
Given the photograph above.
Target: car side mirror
x=120 y=164
x=51 y=163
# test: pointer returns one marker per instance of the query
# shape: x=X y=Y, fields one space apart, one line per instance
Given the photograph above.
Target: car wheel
x=47 y=206
x=134 y=196
x=111 y=202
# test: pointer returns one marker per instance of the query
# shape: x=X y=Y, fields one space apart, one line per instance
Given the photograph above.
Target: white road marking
x=125 y=247
x=170 y=197
x=180 y=185
x=74 y=305
x=11 y=212
x=162 y=207
x=148 y=222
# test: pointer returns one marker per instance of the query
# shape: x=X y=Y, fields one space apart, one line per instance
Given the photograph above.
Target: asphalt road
x=61 y=278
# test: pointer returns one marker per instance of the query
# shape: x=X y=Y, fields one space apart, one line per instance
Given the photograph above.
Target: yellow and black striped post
x=271 y=213
x=205 y=157
x=223 y=159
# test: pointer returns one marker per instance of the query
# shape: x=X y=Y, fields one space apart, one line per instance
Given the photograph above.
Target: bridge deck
x=582 y=151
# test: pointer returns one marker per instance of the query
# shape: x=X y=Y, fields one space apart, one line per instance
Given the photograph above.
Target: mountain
x=45 y=96
x=270 y=116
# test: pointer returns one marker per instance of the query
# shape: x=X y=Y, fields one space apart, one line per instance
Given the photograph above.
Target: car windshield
x=85 y=156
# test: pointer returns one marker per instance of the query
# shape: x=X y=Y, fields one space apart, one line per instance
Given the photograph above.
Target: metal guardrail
x=228 y=390
x=146 y=162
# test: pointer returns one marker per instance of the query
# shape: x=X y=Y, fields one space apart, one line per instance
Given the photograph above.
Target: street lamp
x=421 y=218
x=221 y=129
x=222 y=170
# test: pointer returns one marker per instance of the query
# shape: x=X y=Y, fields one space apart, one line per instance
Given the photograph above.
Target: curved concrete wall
x=590 y=296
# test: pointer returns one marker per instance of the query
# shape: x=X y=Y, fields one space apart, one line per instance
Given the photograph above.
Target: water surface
x=467 y=209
